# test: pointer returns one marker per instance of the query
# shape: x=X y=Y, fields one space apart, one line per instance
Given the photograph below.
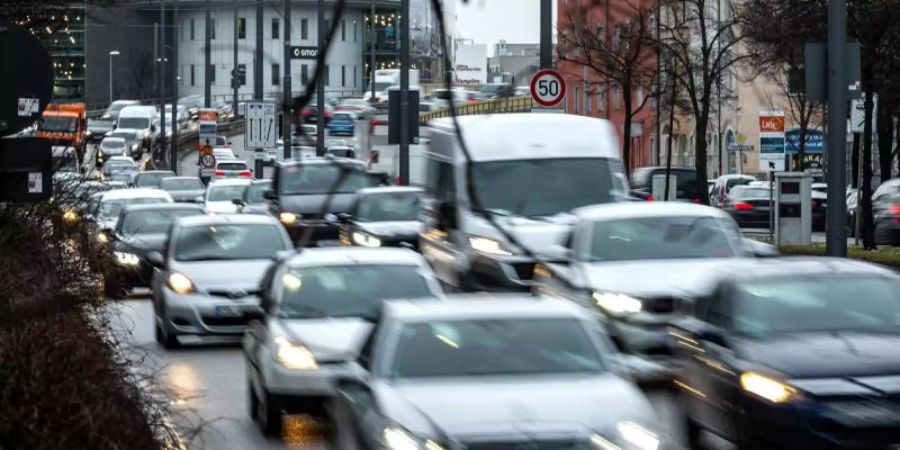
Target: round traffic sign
x=548 y=88
x=207 y=161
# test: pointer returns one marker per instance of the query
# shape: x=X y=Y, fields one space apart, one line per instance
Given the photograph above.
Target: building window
x=193 y=76
x=242 y=68
x=242 y=28
x=601 y=97
x=304 y=75
x=276 y=69
x=344 y=30
x=617 y=98
x=327 y=75
x=192 y=29
x=304 y=29
x=343 y=76
x=211 y=73
x=355 y=80
x=587 y=97
x=639 y=96
x=212 y=28
x=275 y=29
x=355 y=29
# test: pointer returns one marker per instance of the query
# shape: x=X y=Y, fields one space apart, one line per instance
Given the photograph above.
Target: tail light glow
x=742 y=206
x=220 y=173
x=245 y=173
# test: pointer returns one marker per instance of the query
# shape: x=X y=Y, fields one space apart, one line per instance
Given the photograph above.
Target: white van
x=530 y=171
x=143 y=120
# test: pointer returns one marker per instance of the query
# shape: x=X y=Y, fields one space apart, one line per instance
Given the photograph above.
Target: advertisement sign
x=471 y=65
x=815 y=141
x=771 y=141
x=208 y=119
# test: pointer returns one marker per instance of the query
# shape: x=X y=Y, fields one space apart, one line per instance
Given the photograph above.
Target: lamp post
x=111 y=54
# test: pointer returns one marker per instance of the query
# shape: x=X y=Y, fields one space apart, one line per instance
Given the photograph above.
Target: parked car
x=795 y=353
x=460 y=374
x=183 y=189
x=723 y=186
x=150 y=178
x=383 y=217
x=686 y=186
x=221 y=194
x=886 y=212
x=319 y=306
x=342 y=123
x=193 y=297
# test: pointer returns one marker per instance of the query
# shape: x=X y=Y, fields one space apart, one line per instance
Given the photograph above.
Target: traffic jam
x=525 y=293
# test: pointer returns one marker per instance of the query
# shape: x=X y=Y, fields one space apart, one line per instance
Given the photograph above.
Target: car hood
x=312 y=204
x=391 y=229
x=239 y=274
x=220 y=207
x=257 y=208
x=329 y=339
x=828 y=354
x=536 y=234
x=186 y=196
x=671 y=277
x=500 y=406
x=142 y=244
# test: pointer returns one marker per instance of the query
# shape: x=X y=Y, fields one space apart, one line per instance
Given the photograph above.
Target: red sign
x=771 y=124
x=548 y=88
x=208 y=115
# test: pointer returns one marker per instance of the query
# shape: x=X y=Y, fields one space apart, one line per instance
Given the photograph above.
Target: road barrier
x=498 y=106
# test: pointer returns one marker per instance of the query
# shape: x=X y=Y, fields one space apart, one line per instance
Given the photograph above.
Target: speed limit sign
x=548 y=88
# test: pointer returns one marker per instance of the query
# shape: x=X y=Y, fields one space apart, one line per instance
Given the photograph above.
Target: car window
x=255 y=193
x=749 y=192
x=231 y=166
x=112 y=207
x=649 y=238
x=319 y=179
x=388 y=206
x=181 y=184
x=817 y=303
x=460 y=348
x=153 y=222
x=225 y=193
x=228 y=242
x=732 y=182
x=348 y=291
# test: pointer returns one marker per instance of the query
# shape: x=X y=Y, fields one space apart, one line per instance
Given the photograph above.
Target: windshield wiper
x=206 y=258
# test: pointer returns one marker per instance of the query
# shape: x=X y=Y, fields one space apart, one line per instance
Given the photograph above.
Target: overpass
x=498 y=106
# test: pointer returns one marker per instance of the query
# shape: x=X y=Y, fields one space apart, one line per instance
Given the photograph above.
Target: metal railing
x=498 y=106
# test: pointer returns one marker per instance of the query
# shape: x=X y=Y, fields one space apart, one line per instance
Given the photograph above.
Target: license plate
x=228 y=311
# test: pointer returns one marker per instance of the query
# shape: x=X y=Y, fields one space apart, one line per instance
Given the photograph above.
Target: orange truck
x=65 y=123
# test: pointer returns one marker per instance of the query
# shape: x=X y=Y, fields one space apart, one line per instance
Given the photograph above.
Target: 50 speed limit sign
x=548 y=88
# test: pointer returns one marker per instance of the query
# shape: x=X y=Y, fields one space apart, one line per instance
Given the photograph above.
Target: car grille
x=225 y=321
x=232 y=293
x=660 y=305
x=557 y=444
x=524 y=271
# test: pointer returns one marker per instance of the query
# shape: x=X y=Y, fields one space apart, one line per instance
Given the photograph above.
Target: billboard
x=471 y=65
x=771 y=140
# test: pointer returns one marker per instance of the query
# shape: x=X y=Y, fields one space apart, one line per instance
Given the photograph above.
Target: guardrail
x=498 y=106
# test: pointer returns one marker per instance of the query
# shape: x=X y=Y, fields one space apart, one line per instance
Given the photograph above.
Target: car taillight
x=742 y=206
x=894 y=209
x=649 y=198
x=245 y=173
x=220 y=173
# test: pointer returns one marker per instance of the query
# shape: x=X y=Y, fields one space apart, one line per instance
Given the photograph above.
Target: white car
x=319 y=305
x=112 y=202
x=223 y=153
x=220 y=195
x=514 y=372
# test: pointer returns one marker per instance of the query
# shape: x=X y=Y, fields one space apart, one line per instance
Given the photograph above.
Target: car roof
x=736 y=176
x=163 y=207
x=231 y=161
x=224 y=219
x=484 y=306
x=504 y=137
x=113 y=139
x=229 y=182
x=625 y=210
x=800 y=266
x=136 y=193
x=388 y=190
x=144 y=172
x=182 y=177
x=137 y=110
x=354 y=255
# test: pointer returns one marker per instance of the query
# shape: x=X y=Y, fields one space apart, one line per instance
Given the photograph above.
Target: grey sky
x=489 y=21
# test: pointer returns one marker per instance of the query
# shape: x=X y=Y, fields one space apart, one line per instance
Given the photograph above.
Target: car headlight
x=127 y=259
x=180 y=283
x=768 y=388
x=628 y=436
x=102 y=237
x=147 y=134
x=87 y=133
x=365 y=239
x=288 y=218
x=293 y=356
x=488 y=246
x=617 y=304
x=398 y=439
x=70 y=215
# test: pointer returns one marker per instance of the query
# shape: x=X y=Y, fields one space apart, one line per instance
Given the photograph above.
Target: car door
x=356 y=405
x=439 y=218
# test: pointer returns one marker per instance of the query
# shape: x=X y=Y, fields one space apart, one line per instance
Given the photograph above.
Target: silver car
x=319 y=306
x=491 y=373
x=207 y=284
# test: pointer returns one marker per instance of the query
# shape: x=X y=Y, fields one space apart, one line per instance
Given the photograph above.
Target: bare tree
x=621 y=54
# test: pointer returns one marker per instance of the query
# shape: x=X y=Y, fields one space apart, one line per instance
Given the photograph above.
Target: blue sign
x=770 y=145
x=815 y=141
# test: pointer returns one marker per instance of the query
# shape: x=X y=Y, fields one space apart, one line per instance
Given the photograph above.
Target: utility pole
x=404 y=92
x=258 y=60
x=207 y=87
x=286 y=98
x=373 y=37
x=162 y=83
x=320 y=86
x=546 y=34
x=836 y=213
x=173 y=152
x=235 y=79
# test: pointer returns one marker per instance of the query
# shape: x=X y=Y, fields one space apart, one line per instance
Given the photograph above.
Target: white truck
x=386 y=79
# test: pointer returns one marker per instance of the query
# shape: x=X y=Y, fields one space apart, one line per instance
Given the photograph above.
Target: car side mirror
x=344 y=217
x=270 y=195
x=198 y=199
x=156 y=259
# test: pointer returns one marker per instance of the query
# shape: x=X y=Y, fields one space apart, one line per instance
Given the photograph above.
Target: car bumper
x=512 y=273
x=757 y=219
x=200 y=314
x=305 y=383
x=887 y=233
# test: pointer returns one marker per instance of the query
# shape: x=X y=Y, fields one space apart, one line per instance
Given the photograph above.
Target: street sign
x=260 y=129
x=771 y=140
x=207 y=161
x=548 y=88
x=299 y=52
x=208 y=119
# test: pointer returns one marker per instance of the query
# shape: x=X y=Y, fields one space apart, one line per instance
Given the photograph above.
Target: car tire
x=168 y=342
x=268 y=415
x=252 y=401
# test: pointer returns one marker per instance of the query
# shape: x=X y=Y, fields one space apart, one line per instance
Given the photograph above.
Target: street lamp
x=111 y=54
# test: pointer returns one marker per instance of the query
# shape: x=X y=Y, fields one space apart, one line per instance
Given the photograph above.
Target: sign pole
x=286 y=99
x=836 y=213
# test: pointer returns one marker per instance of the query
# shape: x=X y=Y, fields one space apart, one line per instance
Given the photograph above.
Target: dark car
x=383 y=217
x=299 y=189
x=150 y=178
x=253 y=200
x=686 y=186
x=886 y=211
x=795 y=354
x=183 y=189
x=748 y=206
x=496 y=90
x=142 y=229
x=309 y=114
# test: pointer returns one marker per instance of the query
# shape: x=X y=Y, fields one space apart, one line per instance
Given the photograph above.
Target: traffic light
x=239 y=76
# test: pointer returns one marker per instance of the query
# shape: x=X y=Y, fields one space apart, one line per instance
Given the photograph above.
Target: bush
x=889 y=257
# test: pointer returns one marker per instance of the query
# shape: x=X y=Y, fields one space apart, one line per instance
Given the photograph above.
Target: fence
x=498 y=106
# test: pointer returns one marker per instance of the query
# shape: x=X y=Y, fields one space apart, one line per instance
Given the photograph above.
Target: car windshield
x=153 y=222
x=341 y=116
x=228 y=242
x=494 y=347
x=256 y=192
x=112 y=207
x=59 y=124
x=383 y=86
x=648 y=238
x=749 y=192
x=118 y=166
x=232 y=166
x=348 y=291
x=388 y=207
x=225 y=193
x=510 y=188
x=113 y=144
x=128 y=137
x=732 y=182
x=134 y=123
x=181 y=184
x=319 y=179
x=491 y=88
x=817 y=303
x=151 y=179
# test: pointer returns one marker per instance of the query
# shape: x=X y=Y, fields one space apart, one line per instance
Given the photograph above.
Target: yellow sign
x=741 y=138
x=206 y=150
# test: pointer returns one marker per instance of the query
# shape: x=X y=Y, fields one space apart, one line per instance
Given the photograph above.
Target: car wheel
x=268 y=415
x=167 y=341
x=252 y=401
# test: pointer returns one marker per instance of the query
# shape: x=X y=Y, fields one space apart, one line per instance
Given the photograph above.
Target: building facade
x=514 y=63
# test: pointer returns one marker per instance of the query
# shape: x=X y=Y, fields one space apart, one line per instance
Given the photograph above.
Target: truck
x=66 y=124
x=386 y=79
